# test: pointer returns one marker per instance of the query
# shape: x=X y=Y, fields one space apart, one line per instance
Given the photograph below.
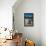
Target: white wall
x=6 y=13
x=31 y=6
x=41 y=30
x=43 y=22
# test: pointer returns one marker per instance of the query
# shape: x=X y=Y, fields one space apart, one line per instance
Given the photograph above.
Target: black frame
x=28 y=19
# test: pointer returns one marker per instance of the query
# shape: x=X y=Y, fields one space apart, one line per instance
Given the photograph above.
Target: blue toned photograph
x=28 y=19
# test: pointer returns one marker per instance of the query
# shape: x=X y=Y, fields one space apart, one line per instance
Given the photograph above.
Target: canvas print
x=28 y=19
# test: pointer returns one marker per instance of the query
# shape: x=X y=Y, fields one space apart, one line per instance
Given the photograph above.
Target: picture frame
x=28 y=19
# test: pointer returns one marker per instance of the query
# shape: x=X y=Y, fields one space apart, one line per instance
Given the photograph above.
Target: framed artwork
x=28 y=19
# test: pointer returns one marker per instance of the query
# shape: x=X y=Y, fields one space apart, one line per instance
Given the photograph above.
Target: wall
x=6 y=13
x=43 y=22
x=28 y=6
